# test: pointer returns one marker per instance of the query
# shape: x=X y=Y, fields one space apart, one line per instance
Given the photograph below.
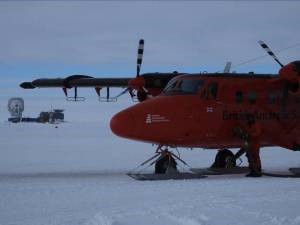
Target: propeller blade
x=269 y=51
x=131 y=93
x=140 y=57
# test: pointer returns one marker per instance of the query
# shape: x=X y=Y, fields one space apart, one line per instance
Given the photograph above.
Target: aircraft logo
x=156 y=119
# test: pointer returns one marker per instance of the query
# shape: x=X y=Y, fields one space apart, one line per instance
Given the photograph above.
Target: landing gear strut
x=165 y=163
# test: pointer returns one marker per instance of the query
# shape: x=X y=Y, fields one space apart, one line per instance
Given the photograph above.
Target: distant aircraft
x=202 y=110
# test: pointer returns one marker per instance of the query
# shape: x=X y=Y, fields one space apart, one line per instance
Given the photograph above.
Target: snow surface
x=76 y=174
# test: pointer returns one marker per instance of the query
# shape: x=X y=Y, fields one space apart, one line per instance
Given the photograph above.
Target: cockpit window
x=183 y=86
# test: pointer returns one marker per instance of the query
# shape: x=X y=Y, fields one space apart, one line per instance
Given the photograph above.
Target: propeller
x=140 y=53
x=138 y=82
x=269 y=51
x=286 y=84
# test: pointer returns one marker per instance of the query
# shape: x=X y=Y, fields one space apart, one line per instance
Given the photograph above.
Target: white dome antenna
x=16 y=108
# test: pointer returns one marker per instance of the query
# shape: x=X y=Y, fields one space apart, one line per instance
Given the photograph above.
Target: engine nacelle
x=290 y=72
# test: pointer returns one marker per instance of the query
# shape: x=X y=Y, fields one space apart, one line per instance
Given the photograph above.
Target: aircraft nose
x=122 y=124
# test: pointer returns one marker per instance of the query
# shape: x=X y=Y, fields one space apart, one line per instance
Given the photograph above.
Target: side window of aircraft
x=252 y=97
x=239 y=98
x=212 y=90
x=191 y=86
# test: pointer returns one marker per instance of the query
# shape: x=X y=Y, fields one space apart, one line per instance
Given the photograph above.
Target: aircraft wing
x=144 y=84
x=76 y=81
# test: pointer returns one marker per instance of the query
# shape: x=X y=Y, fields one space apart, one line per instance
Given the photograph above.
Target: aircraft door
x=211 y=116
x=210 y=91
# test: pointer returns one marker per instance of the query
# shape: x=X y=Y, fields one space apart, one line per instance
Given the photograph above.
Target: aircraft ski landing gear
x=166 y=165
x=225 y=163
x=224 y=159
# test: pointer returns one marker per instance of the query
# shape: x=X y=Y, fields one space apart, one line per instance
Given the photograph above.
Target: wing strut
x=75 y=98
x=107 y=98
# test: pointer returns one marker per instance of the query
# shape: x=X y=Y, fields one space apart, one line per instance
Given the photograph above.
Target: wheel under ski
x=224 y=159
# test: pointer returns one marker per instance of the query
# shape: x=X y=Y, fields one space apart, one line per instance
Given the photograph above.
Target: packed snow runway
x=76 y=174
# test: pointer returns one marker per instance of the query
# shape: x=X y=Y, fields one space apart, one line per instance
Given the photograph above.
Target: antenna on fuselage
x=227 y=67
x=269 y=51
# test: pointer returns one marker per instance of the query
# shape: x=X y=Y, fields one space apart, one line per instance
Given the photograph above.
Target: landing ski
x=292 y=173
x=171 y=176
x=220 y=171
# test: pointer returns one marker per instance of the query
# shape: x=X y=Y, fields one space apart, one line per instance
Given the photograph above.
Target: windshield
x=183 y=86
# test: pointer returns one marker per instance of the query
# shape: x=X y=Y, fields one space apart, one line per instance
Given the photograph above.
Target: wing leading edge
x=76 y=81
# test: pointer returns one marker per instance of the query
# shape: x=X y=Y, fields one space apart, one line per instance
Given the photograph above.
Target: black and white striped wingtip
x=269 y=51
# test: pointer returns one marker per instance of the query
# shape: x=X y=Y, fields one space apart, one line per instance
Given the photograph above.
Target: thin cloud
x=178 y=35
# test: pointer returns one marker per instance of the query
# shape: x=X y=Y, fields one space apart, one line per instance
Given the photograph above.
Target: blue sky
x=56 y=39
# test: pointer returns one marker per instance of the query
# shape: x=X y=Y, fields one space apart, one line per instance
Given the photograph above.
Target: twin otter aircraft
x=200 y=110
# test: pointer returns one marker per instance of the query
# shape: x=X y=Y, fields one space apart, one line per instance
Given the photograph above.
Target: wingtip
x=27 y=85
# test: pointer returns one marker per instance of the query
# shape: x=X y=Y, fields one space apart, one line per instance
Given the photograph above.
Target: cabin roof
x=234 y=75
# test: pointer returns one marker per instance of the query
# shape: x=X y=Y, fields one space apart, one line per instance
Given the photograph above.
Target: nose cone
x=122 y=124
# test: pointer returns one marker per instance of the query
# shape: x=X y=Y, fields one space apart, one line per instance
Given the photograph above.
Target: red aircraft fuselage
x=203 y=110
